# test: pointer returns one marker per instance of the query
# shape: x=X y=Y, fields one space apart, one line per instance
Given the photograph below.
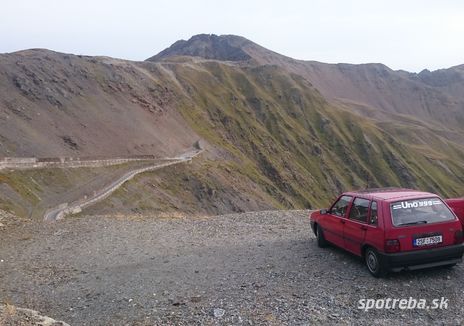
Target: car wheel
x=321 y=241
x=373 y=262
x=450 y=265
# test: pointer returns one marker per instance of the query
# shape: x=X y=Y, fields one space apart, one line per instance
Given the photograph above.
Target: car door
x=355 y=227
x=335 y=219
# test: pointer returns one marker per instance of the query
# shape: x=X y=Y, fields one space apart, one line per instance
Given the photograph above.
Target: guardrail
x=64 y=209
x=40 y=163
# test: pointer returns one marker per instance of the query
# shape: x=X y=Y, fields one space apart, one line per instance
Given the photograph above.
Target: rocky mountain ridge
x=433 y=96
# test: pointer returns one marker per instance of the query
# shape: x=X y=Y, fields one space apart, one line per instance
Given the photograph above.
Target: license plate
x=427 y=241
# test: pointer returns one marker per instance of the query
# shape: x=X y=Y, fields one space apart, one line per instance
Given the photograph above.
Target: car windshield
x=420 y=211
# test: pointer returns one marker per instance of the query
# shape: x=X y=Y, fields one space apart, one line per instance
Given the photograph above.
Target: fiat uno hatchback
x=392 y=229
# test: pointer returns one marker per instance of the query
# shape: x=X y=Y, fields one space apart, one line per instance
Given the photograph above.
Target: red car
x=392 y=229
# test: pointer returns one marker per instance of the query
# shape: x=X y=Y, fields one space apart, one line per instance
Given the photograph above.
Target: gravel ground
x=252 y=268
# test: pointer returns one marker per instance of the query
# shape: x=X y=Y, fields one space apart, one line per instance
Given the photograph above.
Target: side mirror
x=323 y=211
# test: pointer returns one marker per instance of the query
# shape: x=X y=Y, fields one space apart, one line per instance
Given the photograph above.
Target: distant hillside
x=436 y=97
x=54 y=104
x=278 y=132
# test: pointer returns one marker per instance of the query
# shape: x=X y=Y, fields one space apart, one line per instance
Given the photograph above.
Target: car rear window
x=420 y=211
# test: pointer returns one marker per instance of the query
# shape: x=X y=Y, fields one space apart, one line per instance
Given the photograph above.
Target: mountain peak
x=208 y=46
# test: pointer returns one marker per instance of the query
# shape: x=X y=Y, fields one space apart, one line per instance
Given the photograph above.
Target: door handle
x=364 y=228
x=342 y=221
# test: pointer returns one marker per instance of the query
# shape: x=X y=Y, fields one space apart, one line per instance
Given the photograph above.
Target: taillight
x=458 y=237
x=392 y=245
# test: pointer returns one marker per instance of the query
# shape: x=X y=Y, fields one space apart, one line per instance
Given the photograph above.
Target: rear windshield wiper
x=412 y=223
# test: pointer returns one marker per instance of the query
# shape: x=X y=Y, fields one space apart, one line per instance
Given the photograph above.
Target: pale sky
x=403 y=34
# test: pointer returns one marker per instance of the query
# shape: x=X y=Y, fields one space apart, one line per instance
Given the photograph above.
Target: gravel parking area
x=251 y=269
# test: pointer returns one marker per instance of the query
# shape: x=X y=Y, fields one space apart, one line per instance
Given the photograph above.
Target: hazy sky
x=406 y=34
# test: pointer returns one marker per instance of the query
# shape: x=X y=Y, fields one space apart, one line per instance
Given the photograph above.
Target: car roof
x=390 y=194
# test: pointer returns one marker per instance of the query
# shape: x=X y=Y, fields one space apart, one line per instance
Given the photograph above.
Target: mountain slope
x=273 y=137
x=55 y=104
x=436 y=97
x=278 y=139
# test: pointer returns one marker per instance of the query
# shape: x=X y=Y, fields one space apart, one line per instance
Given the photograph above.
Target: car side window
x=359 y=210
x=341 y=206
x=373 y=217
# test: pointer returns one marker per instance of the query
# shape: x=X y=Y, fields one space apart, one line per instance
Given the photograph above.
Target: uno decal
x=416 y=204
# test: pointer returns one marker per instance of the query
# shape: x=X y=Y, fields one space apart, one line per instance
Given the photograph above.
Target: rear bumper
x=423 y=258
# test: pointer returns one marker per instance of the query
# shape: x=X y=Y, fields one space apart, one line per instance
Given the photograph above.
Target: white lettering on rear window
x=416 y=204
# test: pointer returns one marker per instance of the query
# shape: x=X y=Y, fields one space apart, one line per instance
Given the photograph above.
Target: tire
x=374 y=263
x=449 y=265
x=321 y=241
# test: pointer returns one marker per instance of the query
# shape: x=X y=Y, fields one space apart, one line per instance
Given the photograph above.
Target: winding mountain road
x=64 y=209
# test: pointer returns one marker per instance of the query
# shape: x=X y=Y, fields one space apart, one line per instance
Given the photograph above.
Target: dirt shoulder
x=252 y=268
x=14 y=316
